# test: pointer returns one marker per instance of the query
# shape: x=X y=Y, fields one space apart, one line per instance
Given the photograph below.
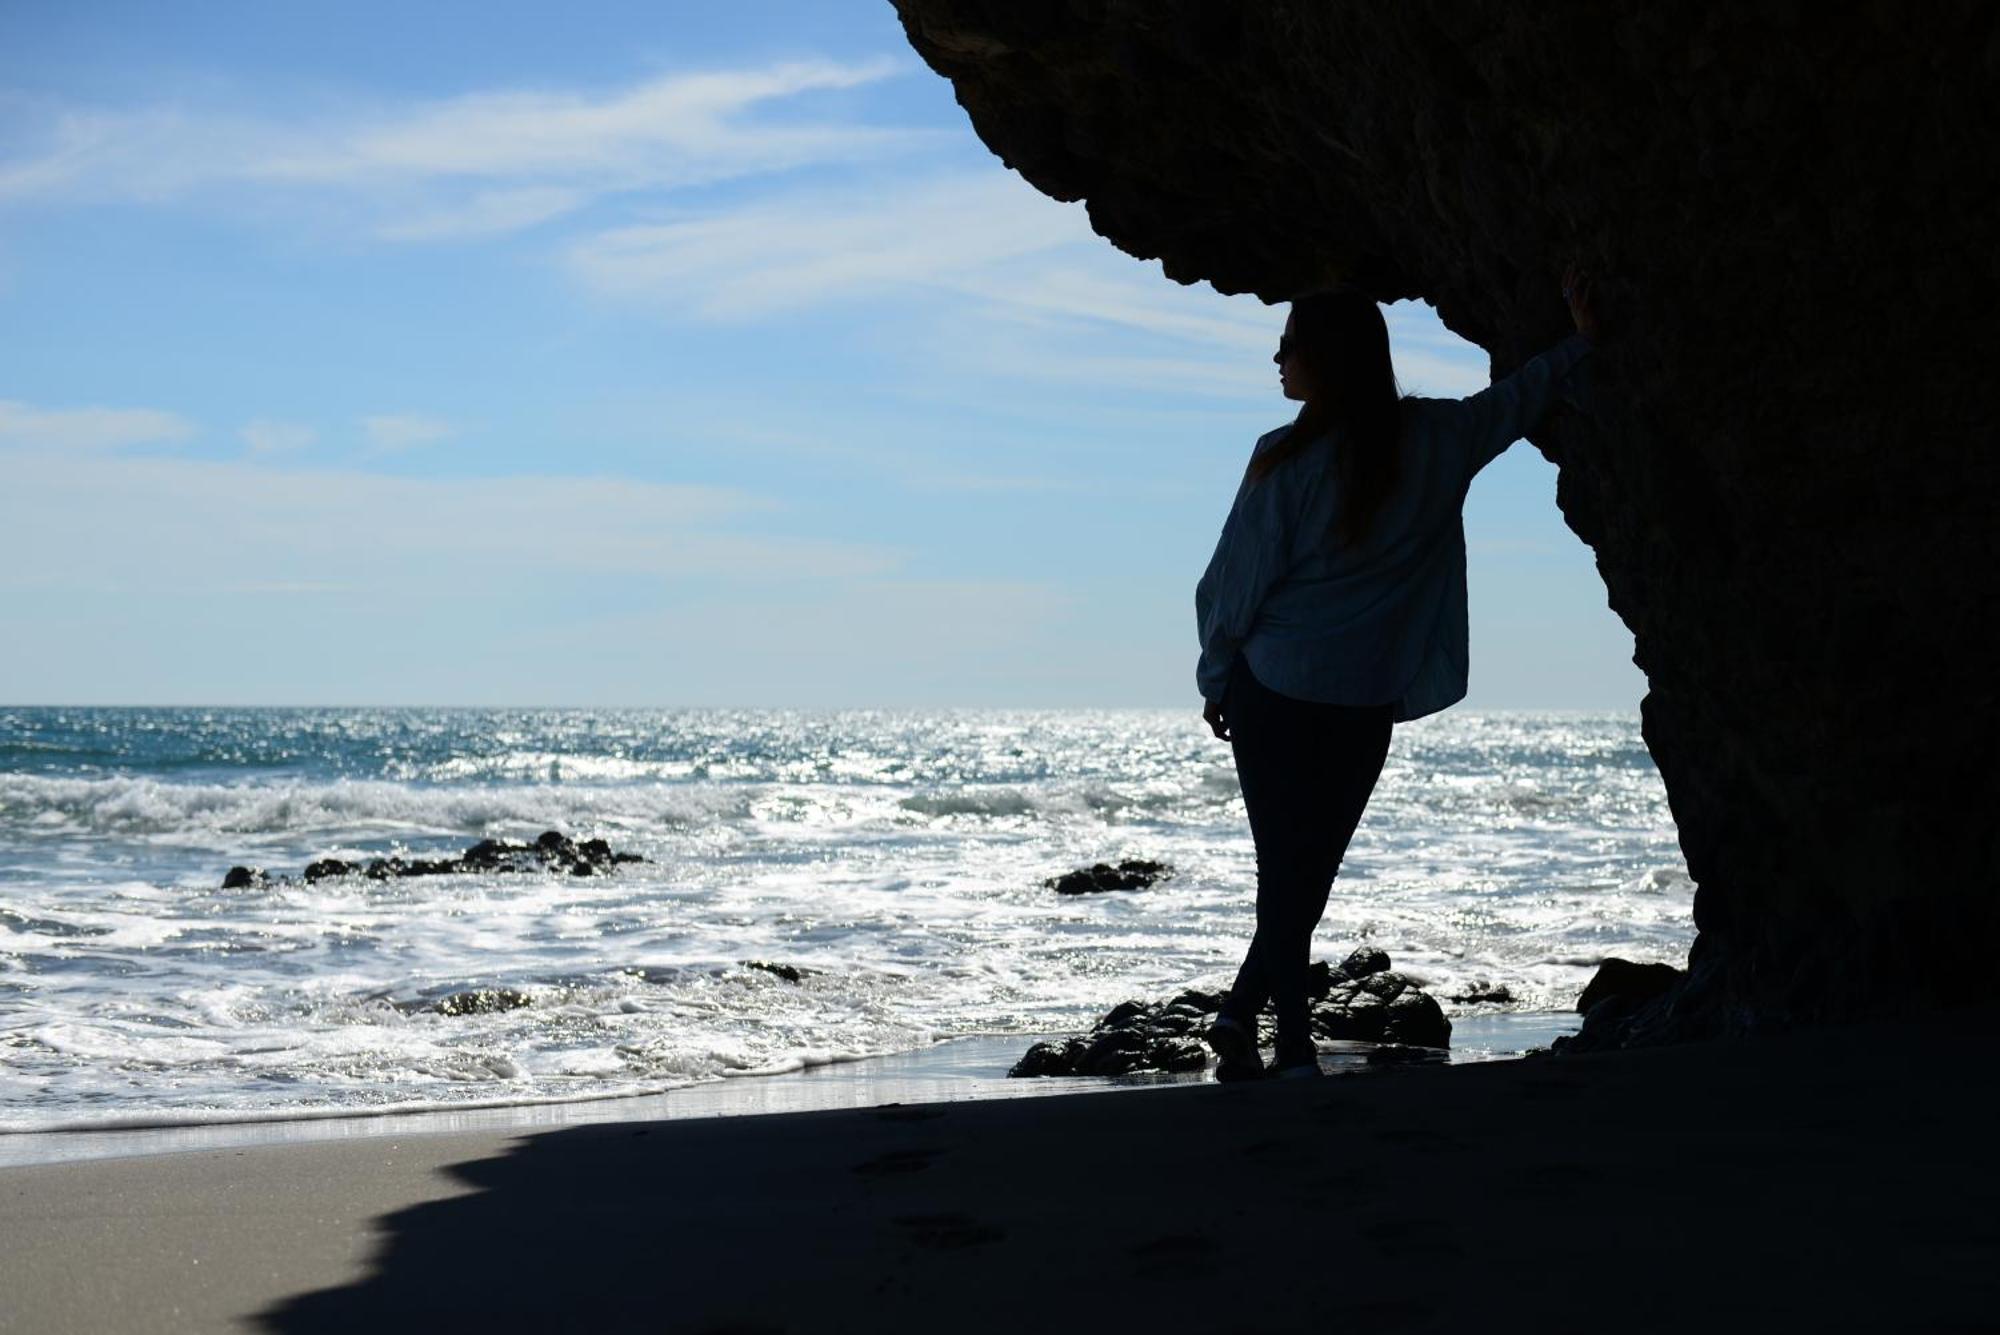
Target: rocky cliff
x=1788 y=473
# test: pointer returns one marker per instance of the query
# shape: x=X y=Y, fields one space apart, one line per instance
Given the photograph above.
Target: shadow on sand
x=1841 y=1180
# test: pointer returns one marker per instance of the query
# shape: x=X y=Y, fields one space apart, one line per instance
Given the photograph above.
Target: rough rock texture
x=552 y=851
x=1788 y=472
x=1625 y=981
x=791 y=973
x=476 y=1001
x=1131 y=874
x=1360 y=998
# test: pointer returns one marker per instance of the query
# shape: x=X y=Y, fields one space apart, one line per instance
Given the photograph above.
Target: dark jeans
x=1306 y=770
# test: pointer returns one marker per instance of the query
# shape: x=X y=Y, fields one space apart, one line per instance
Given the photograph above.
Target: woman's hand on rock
x=1578 y=288
x=1211 y=713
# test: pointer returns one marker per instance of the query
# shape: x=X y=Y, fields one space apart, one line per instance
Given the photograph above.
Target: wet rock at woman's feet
x=1359 y=998
x=1381 y=1007
x=553 y=850
x=1131 y=874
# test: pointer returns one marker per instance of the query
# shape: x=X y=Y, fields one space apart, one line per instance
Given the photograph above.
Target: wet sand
x=1835 y=1180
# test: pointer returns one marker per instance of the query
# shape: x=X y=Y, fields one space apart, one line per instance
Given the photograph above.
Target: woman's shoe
x=1235 y=1050
x=1293 y=1063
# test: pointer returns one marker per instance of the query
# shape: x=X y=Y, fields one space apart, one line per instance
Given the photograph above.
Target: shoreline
x=960 y=1068
x=1818 y=1180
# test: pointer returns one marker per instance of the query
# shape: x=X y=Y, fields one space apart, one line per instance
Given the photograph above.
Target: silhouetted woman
x=1333 y=608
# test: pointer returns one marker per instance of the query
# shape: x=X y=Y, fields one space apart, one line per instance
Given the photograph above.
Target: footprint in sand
x=1192 y=1254
x=898 y=1161
x=1561 y=1179
x=1422 y=1139
x=947 y=1232
x=1413 y=1237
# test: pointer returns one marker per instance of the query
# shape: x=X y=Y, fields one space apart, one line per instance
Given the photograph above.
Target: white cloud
x=669 y=129
x=88 y=428
x=266 y=436
x=804 y=248
x=484 y=163
x=1020 y=281
x=171 y=524
x=985 y=234
x=486 y=213
x=403 y=431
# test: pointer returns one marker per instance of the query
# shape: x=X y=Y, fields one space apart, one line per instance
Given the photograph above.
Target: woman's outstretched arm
x=1508 y=409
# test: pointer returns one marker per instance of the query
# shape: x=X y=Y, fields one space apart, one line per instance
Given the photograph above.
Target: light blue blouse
x=1385 y=621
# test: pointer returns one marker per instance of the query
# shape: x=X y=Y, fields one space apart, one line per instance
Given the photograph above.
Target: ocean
x=897 y=858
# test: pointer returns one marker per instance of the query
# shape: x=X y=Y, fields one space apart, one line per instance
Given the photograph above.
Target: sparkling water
x=898 y=857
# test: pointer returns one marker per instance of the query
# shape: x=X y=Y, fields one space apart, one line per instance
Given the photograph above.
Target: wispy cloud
x=1030 y=288
x=669 y=130
x=403 y=431
x=803 y=248
x=89 y=428
x=267 y=436
x=180 y=525
x=484 y=163
x=486 y=213
x=1020 y=281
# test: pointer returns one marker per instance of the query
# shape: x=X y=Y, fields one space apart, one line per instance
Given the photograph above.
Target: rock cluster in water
x=791 y=973
x=1131 y=874
x=553 y=851
x=1359 y=998
x=473 y=1001
x=494 y=1000
x=1782 y=450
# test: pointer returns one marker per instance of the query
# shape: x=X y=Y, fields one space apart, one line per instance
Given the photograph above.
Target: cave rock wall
x=1788 y=473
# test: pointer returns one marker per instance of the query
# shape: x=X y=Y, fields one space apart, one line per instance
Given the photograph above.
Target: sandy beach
x=1830 y=1180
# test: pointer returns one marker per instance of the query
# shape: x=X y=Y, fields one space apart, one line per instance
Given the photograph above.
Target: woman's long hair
x=1344 y=343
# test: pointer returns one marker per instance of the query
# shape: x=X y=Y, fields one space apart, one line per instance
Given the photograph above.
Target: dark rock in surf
x=1059 y=1056
x=1131 y=874
x=243 y=878
x=552 y=851
x=483 y=1001
x=1382 y=1007
x=1360 y=962
x=791 y=973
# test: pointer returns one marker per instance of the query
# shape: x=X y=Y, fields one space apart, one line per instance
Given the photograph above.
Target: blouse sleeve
x=1507 y=410
x=1250 y=557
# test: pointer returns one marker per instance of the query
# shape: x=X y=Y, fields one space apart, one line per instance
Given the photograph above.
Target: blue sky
x=621 y=354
